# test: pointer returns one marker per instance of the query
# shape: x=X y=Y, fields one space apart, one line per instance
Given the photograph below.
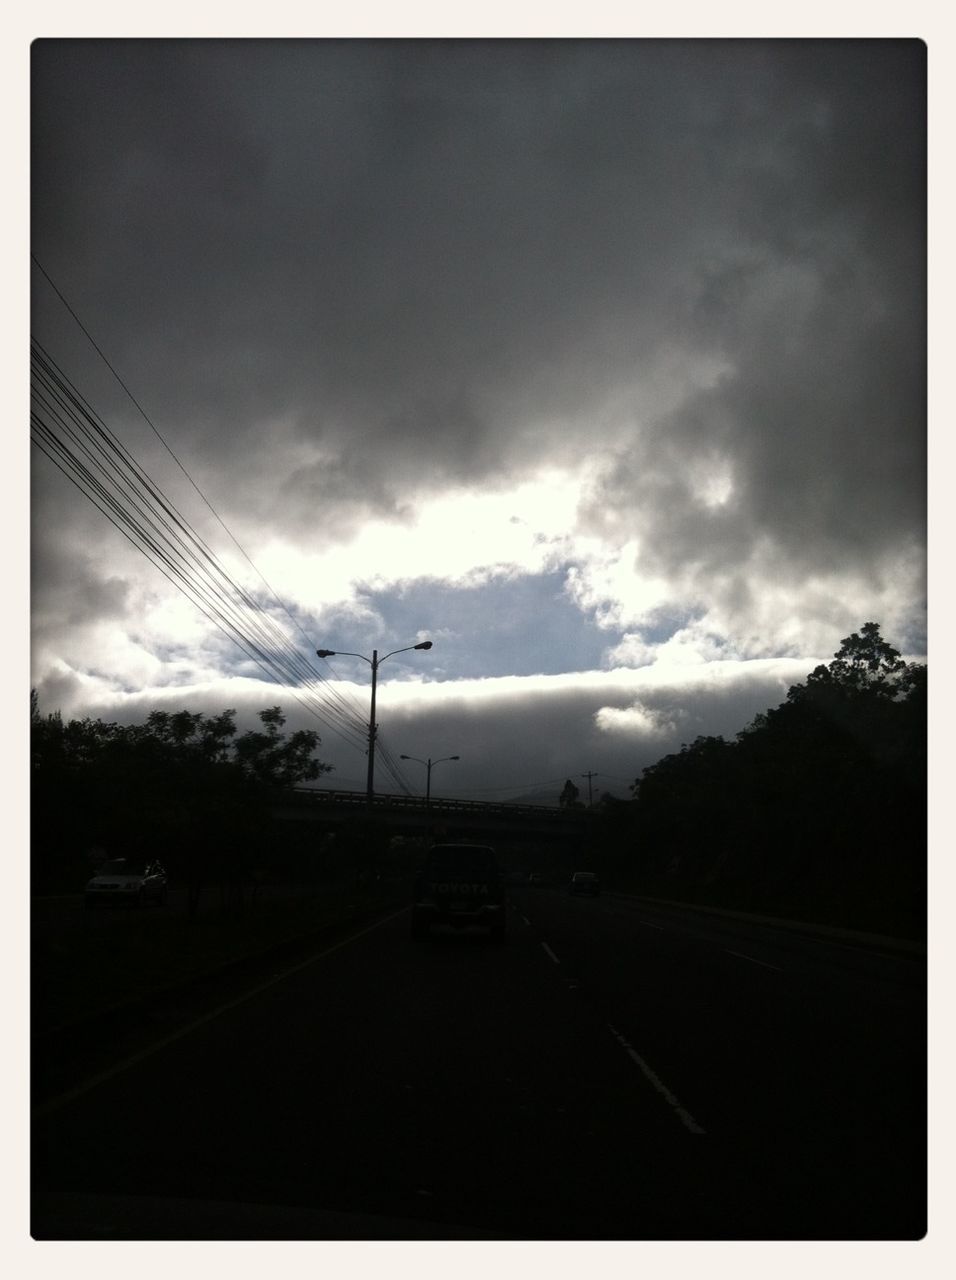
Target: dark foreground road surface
x=614 y=1070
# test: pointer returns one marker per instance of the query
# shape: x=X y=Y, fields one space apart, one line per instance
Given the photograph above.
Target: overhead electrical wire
x=112 y=480
x=160 y=437
x=518 y=786
x=72 y=435
x=69 y=433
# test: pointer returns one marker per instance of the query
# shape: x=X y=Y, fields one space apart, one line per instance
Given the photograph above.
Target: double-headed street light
x=374 y=662
x=429 y=763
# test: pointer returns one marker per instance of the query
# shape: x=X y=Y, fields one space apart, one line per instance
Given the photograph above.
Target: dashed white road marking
x=647 y=925
x=550 y=953
x=686 y=1119
x=752 y=959
x=54 y=1104
x=524 y=918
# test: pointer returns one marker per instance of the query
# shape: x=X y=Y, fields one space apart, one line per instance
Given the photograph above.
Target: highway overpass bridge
x=511 y=826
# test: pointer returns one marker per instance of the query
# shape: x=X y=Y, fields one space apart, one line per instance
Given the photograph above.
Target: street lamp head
x=325 y=653
x=425 y=644
x=454 y=757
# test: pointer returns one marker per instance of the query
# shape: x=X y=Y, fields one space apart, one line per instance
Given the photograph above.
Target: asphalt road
x=611 y=1071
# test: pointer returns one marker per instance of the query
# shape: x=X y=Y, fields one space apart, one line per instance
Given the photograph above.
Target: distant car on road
x=131 y=882
x=538 y=879
x=584 y=882
x=460 y=885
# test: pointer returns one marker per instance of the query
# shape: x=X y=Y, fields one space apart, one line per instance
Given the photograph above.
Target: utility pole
x=372 y=730
x=589 y=775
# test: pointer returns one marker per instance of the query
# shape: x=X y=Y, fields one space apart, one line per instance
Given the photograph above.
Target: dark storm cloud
x=71 y=588
x=813 y=292
x=344 y=492
x=462 y=250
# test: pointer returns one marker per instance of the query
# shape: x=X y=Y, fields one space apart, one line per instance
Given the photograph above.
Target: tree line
x=817 y=807
x=185 y=788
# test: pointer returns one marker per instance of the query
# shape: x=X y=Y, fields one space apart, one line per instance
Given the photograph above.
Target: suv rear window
x=462 y=858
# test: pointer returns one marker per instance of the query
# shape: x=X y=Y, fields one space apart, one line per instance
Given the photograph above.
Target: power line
x=212 y=588
x=160 y=437
x=517 y=786
x=68 y=430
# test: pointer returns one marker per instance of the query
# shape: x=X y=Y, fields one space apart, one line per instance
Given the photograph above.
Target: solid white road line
x=686 y=1119
x=763 y=963
x=54 y=1104
x=550 y=953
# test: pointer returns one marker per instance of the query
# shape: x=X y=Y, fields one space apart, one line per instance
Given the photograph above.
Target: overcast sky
x=601 y=364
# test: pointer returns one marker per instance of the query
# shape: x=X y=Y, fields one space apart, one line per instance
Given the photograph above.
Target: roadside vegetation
x=193 y=793
x=816 y=811
x=186 y=789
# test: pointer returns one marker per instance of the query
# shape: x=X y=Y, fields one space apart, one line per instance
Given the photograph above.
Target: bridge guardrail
x=325 y=795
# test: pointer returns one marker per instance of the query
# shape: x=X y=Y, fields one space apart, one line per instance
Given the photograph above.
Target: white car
x=130 y=882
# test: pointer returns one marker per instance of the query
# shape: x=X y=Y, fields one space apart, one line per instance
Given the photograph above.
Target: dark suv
x=460 y=885
x=585 y=882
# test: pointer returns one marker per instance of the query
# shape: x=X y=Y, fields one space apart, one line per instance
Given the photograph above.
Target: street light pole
x=428 y=777
x=374 y=662
x=372 y=730
x=589 y=775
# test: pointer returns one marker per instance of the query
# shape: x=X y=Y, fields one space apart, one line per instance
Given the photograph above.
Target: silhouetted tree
x=864 y=664
x=178 y=786
x=274 y=761
x=818 y=805
x=568 y=799
x=685 y=807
